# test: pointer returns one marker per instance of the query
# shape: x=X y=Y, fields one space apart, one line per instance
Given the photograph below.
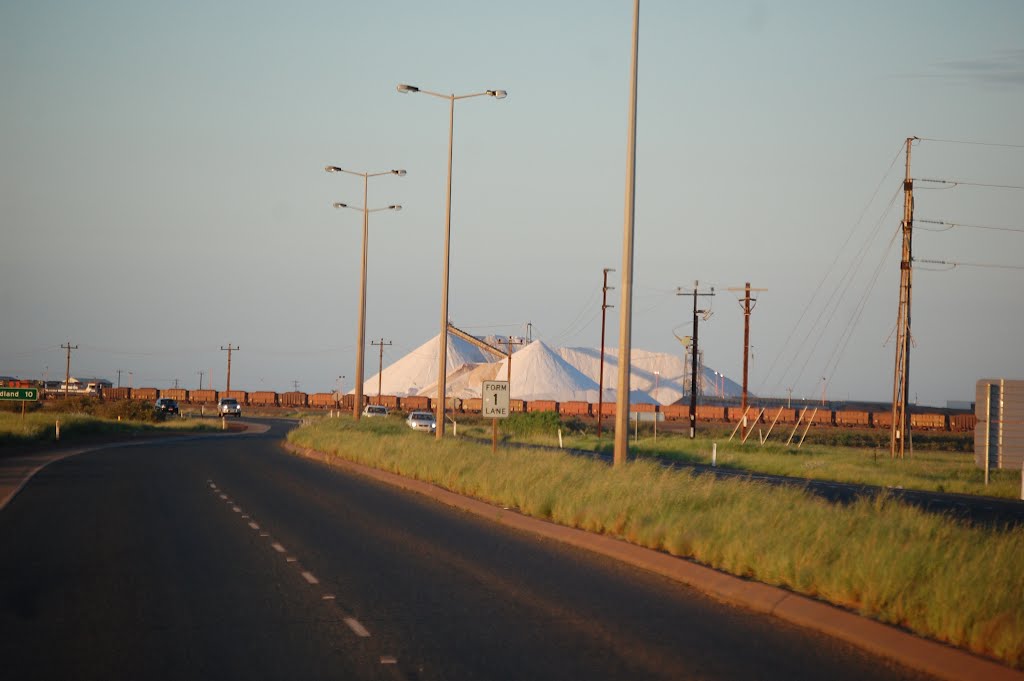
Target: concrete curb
x=942 y=661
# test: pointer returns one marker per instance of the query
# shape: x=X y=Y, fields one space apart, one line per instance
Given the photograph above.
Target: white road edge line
x=357 y=628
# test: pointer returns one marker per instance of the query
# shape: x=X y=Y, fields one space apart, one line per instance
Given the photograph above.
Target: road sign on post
x=495 y=405
x=19 y=394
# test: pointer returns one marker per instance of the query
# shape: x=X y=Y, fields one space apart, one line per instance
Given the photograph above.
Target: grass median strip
x=938 y=577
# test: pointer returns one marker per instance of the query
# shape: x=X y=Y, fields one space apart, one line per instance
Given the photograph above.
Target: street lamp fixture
x=442 y=369
x=357 y=402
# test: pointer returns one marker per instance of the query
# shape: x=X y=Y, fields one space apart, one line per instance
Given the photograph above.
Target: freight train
x=943 y=420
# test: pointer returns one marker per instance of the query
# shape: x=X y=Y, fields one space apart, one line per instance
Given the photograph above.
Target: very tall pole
x=442 y=353
x=357 y=399
x=442 y=359
x=626 y=301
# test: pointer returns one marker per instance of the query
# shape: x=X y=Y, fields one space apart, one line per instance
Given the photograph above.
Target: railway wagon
x=293 y=399
x=962 y=423
x=709 y=413
x=263 y=398
x=780 y=415
x=416 y=403
x=859 y=419
x=607 y=409
x=473 y=405
x=574 y=408
x=324 y=400
x=676 y=412
x=644 y=407
x=202 y=396
x=117 y=393
x=240 y=395
x=179 y=395
x=881 y=419
x=541 y=405
x=348 y=401
x=145 y=393
x=518 y=406
x=389 y=401
x=929 y=422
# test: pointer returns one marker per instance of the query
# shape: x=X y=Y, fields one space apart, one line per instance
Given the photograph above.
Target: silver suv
x=229 y=406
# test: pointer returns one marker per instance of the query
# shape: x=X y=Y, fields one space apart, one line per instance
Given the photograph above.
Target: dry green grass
x=40 y=426
x=943 y=579
x=929 y=469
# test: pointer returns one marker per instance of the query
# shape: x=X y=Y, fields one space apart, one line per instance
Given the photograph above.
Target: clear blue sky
x=162 y=191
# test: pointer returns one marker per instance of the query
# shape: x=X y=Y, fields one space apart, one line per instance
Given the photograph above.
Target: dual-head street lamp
x=442 y=369
x=357 y=402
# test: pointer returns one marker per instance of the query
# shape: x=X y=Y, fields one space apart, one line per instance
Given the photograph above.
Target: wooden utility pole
x=693 y=362
x=508 y=376
x=600 y=382
x=901 y=375
x=67 y=373
x=380 y=368
x=748 y=305
x=230 y=350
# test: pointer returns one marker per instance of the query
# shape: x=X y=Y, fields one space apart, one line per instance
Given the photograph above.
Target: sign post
x=22 y=394
x=494 y=406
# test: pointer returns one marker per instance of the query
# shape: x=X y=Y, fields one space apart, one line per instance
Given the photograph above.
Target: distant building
x=84 y=386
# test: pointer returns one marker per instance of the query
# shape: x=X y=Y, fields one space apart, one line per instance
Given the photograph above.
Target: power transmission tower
x=230 y=350
x=901 y=375
x=200 y=379
x=693 y=363
x=748 y=305
x=295 y=386
x=67 y=373
x=380 y=369
x=600 y=382
x=119 y=377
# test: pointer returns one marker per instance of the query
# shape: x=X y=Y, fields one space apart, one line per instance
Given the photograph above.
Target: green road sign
x=19 y=394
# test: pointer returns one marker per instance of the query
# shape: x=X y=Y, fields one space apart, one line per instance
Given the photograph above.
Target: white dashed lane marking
x=389 y=659
x=357 y=628
x=355 y=625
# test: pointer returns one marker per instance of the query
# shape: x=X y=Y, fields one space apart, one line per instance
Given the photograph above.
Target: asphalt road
x=227 y=558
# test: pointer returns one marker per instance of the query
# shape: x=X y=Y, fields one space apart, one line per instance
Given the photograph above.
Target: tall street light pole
x=357 y=402
x=442 y=360
x=626 y=301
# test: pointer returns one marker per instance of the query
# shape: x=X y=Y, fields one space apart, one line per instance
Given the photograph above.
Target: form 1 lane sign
x=495 y=399
x=19 y=394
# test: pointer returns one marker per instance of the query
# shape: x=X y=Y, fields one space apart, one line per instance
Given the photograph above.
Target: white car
x=421 y=420
x=229 y=406
x=375 y=410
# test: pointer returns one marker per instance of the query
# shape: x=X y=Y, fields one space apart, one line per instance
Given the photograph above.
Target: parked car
x=166 y=405
x=421 y=420
x=375 y=410
x=229 y=406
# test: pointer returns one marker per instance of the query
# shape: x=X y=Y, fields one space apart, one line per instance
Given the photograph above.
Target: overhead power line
x=964 y=183
x=976 y=144
x=951 y=225
x=956 y=263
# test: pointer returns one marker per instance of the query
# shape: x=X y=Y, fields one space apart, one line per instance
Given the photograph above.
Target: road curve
x=229 y=558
